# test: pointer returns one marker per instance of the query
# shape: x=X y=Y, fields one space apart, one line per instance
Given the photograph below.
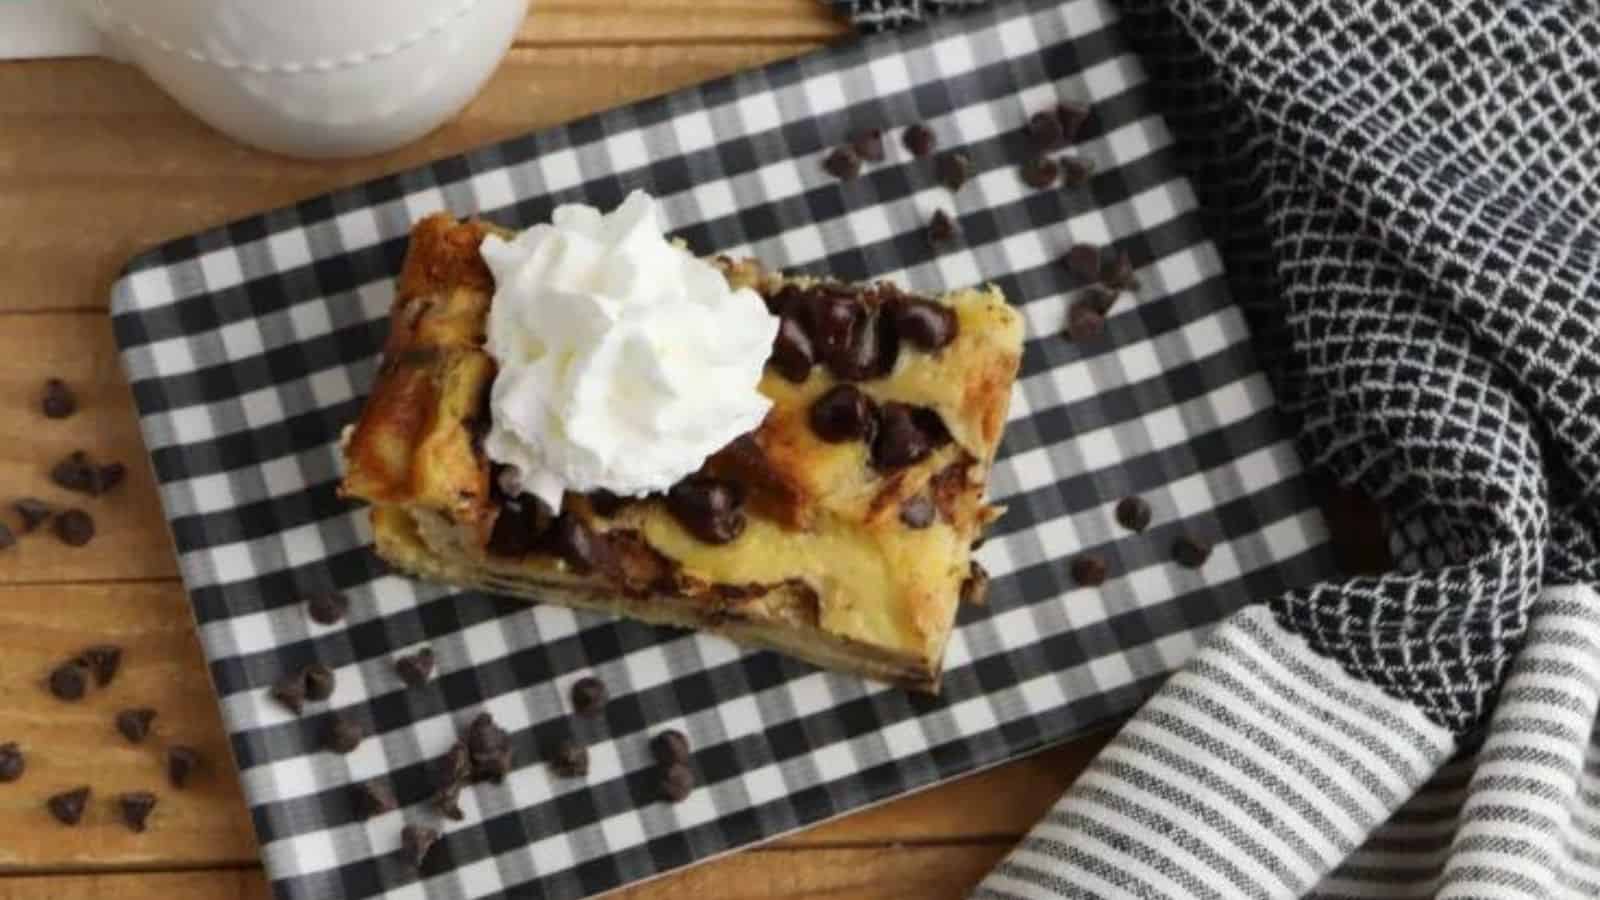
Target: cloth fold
x=1407 y=197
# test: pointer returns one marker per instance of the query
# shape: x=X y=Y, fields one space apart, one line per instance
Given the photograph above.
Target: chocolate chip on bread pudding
x=586 y=414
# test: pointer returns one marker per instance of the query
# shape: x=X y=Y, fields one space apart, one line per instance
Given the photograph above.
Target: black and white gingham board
x=250 y=346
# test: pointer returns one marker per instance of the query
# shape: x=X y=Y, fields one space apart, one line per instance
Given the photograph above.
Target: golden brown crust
x=825 y=569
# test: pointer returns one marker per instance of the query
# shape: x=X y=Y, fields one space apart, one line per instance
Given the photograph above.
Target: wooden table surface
x=95 y=165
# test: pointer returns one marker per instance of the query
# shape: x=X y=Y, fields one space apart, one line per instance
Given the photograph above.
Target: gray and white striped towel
x=1407 y=193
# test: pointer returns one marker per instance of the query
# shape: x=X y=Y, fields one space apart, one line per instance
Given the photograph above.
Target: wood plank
x=877 y=873
x=83 y=191
x=567 y=22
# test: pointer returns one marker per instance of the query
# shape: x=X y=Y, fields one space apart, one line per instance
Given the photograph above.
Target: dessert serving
x=587 y=414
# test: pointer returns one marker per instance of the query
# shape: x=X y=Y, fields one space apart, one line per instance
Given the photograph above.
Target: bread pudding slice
x=839 y=531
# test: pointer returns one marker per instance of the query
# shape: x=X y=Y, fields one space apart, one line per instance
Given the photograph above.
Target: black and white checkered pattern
x=250 y=346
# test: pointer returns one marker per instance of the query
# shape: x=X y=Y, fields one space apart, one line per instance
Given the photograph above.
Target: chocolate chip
x=831 y=320
x=1098 y=297
x=605 y=503
x=104 y=660
x=450 y=772
x=182 y=763
x=327 y=607
x=905 y=436
x=1190 y=551
x=589 y=696
x=1084 y=324
x=490 y=749
x=575 y=543
x=1089 y=570
x=290 y=691
x=1045 y=131
x=69 y=681
x=1117 y=272
x=507 y=483
x=567 y=757
x=709 y=508
x=1083 y=261
x=12 y=762
x=975 y=589
x=871 y=351
x=843 y=164
x=941 y=229
x=7 y=538
x=67 y=807
x=917 y=512
x=109 y=476
x=670 y=748
x=447 y=802
x=1071 y=116
x=1040 y=172
x=416 y=842
x=343 y=735
x=1077 y=171
x=74 y=472
x=33 y=512
x=927 y=325
x=58 y=401
x=784 y=300
x=520 y=526
x=372 y=798
x=134 y=724
x=415 y=669
x=136 y=808
x=75 y=527
x=677 y=783
x=319 y=682
x=868 y=144
x=843 y=413
x=792 y=353
x=1133 y=513
x=919 y=139
x=954 y=170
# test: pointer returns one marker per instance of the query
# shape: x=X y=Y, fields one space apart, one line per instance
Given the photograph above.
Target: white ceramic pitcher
x=317 y=78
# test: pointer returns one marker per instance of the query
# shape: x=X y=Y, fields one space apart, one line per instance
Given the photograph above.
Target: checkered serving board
x=250 y=346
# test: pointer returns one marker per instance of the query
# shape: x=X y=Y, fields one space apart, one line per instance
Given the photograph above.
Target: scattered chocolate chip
x=450 y=773
x=58 y=400
x=919 y=139
x=12 y=762
x=670 y=748
x=1133 y=513
x=519 y=526
x=1190 y=551
x=109 y=476
x=589 y=696
x=7 y=538
x=842 y=164
x=1040 y=172
x=954 y=170
x=709 y=508
x=868 y=144
x=1083 y=261
x=925 y=324
x=490 y=749
x=319 y=682
x=1084 y=324
x=917 y=512
x=1117 y=272
x=567 y=757
x=975 y=589
x=33 y=512
x=182 y=763
x=136 y=808
x=1098 y=297
x=74 y=472
x=1071 y=116
x=415 y=843
x=417 y=668
x=905 y=438
x=941 y=229
x=343 y=735
x=573 y=541
x=327 y=607
x=69 y=681
x=75 y=527
x=134 y=724
x=290 y=691
x=372 y=798
x=1045 y=131
x=605 y=503
x=677 y=783
x=1089 y=570
x=104 y=660
x=843 y=413
x=1077 y=171
x=792 y=353
x=67 y=807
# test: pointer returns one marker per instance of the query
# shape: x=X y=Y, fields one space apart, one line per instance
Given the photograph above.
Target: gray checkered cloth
x=1408 y=197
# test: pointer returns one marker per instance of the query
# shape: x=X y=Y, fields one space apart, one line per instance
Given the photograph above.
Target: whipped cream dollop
x=624 y=361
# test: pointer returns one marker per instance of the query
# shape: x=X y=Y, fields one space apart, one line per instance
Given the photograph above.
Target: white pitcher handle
x=38 y=29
